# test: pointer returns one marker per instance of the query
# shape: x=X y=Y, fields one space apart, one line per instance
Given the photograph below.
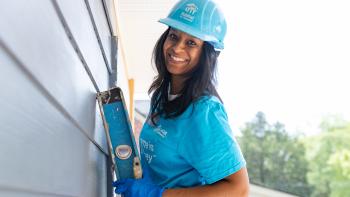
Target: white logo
x=191 y=8
x=160 y=131
x=189 y=12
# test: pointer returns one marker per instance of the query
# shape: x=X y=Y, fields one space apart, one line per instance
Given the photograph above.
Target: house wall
x=55 y=56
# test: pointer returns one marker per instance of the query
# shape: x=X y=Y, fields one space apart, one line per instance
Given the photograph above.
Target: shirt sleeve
x=208 y=143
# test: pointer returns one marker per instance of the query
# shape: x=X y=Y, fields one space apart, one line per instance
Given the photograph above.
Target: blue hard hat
x=200 y=18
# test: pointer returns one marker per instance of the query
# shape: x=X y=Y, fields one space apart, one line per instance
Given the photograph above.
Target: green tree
x=339 y=164
x=328 y=155
x=274 y=158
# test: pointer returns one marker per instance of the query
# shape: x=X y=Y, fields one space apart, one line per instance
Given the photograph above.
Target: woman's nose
x=179 y=46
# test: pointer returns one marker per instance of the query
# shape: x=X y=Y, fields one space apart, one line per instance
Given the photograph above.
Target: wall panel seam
x=47 y=94
x=108 y=17
x=74 y=42
x=97 y=34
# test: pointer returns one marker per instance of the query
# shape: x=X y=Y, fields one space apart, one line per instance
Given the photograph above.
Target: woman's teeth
x=178 y=59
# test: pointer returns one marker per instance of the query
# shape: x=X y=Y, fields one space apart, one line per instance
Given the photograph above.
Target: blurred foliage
x=274 y=158
x=316 y=166
x=328 y=155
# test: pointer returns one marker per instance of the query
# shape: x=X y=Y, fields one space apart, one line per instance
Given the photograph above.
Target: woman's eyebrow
x=174 y=31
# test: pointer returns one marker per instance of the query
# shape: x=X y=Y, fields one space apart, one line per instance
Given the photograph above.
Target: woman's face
x=181 y=51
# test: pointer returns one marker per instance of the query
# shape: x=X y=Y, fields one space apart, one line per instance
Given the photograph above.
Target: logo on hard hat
x=191 y=8
x=189 y=12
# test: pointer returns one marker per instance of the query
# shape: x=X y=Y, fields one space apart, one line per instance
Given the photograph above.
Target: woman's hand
x=137 y=188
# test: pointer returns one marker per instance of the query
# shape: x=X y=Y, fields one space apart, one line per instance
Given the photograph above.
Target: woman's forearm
x=234 y=185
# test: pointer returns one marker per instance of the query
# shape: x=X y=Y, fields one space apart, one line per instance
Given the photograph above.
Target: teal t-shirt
x=196 y=148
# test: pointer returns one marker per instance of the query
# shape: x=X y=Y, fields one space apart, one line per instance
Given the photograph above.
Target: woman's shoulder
x=208 y=101
x=204 y=105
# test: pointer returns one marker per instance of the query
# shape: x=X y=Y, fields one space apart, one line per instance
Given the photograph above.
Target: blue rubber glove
x=137 y=188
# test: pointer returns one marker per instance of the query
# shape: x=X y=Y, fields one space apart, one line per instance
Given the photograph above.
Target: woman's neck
x=176 y=84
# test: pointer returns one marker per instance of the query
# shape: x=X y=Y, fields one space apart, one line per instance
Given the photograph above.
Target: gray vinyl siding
x=54 y=56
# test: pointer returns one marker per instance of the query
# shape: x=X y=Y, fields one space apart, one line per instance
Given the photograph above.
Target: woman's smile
x=181 y=51
x=176 y=60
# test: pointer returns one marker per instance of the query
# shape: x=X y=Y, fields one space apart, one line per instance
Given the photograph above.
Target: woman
x=187 y=147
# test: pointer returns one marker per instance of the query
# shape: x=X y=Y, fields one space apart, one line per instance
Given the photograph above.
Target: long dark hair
x=200 y=81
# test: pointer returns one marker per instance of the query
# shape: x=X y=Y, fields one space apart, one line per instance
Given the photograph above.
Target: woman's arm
x=234 y=185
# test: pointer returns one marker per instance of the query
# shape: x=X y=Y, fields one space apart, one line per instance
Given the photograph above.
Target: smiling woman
x=186 y=144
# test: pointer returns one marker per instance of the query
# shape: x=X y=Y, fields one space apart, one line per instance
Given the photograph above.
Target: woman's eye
x=191 y=43
x=172 y=36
